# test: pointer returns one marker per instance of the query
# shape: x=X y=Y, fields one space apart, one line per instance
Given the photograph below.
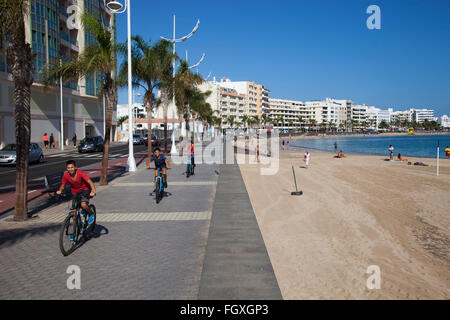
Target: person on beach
x=340 y=154
x=257 y=152
x=74 y=140
x=45 y=138
x=399 y=157
x=52 y=141
x=391 y=152
x=335 y=146
x=447 y=152
x=307 y=158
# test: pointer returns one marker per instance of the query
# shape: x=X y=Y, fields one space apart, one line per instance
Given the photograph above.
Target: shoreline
x=354 y=212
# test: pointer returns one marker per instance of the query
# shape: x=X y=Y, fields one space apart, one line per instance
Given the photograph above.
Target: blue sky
x=306 y=50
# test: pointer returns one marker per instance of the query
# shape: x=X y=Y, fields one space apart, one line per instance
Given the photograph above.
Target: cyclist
x=191 y=151
x=161 y=163
x=82 y=187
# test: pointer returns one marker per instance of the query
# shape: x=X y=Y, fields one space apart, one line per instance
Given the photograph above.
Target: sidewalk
x=144 y=250
x=36 y=189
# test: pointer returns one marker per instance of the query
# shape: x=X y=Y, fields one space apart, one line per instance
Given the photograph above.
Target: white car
x=8 y=155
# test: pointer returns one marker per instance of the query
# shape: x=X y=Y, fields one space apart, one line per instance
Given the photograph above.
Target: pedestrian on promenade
x=447 y=152
x=391 y=152
x=52 y=141
x=45 y=138
x=74 y=140
x=307 y=158
x=257 y=152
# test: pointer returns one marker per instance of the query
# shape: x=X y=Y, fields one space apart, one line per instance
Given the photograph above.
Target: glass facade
x=44 y=31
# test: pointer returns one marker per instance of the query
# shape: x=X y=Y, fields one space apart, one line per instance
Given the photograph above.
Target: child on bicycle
x=82 y=187
x=191 y=151
x=161 y=164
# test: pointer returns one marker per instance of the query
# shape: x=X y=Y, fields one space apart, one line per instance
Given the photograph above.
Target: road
x=55 y=162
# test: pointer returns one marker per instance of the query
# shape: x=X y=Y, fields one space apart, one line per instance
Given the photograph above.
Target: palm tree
x=97 y=58
x=20 y=57
x=265 y=119
x=231 y=121
x=245 y=119
x=150 y=64
x=185 y=81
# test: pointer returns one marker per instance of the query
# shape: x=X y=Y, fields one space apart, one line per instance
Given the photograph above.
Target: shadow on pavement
x=11 y=237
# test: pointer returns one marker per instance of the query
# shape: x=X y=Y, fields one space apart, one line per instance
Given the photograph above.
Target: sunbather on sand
x=340 y=154
x=399 y=157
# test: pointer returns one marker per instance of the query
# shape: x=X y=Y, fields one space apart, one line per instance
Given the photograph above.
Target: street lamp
x=116 y=8
x=175 y=40
x=192 y=67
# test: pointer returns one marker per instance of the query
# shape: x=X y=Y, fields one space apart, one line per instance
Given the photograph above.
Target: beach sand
x=355 y=212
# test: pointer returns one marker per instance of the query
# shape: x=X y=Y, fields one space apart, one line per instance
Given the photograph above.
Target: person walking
x=52 y=141
x=335 y=146
x=74 y=140
x=45 y=138
x=307 y=158
x=257 y=152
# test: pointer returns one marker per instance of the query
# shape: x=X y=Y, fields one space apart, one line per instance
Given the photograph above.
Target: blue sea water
x=416 y=146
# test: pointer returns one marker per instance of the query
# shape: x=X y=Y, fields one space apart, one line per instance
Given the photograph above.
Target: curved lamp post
x=175 y=40
x=116 y=8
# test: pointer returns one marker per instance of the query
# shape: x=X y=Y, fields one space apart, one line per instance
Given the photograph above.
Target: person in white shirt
x=391 y=152
x=307 y=157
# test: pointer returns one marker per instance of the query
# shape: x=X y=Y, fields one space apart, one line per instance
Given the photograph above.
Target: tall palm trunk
x=21 y=59
x=149 y=102
x=165 y=106
x=110 y=97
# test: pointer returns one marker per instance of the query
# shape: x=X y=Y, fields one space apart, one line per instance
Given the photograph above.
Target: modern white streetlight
x=192 y=67
x=175 y=40
x=116 y=8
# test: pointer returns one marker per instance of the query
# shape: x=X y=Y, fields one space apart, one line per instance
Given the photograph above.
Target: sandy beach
x=355 y=212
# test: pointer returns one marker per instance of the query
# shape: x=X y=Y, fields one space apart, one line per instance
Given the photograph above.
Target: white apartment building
x=359 y=113
x=326 y=111
x=444 y=121
x=420 y=115
x=289 y=110
x=377 y=115
x=401 y=116
x=139 y=111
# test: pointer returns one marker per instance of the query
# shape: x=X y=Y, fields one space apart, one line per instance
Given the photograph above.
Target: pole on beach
x=296 y=192
x=437 y=166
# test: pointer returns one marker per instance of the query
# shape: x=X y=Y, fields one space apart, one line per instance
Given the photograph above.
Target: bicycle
x=190 y=167
x=159 y=187
x=74 y=226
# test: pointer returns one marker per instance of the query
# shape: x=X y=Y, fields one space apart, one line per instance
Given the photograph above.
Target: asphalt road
x=56 y=162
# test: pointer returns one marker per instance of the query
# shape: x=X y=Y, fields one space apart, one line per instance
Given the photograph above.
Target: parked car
x=155 y=140
x=8 y=155
x=137 y=139
x=91 y=144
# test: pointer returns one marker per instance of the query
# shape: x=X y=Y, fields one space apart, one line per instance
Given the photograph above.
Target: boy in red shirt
x=82 y=187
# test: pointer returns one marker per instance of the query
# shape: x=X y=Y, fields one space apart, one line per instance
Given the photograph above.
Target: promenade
x=201 y=241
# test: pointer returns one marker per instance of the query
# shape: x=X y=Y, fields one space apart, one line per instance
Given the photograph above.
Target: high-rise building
x=56 y=36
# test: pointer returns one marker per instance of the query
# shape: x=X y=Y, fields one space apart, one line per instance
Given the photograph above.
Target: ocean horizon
x=413 y=146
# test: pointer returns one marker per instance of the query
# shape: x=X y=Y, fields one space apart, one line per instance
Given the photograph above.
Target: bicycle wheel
x=70 y=229
x=90 y=230
x=157 y=187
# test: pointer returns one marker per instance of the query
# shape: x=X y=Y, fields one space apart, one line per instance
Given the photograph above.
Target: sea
x=413 y=146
